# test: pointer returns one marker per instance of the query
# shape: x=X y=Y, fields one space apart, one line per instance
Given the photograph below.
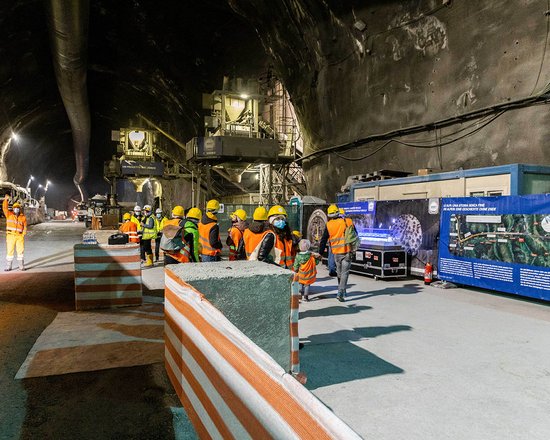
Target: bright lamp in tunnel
x=31 y=178
x=14 y=137
x=136 y=138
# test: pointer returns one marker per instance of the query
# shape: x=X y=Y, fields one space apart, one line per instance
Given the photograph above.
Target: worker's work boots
x=8 y=266
x=21 y=265
x=149 y=261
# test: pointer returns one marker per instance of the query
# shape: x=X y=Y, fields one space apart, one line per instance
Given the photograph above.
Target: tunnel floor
x=397 y=360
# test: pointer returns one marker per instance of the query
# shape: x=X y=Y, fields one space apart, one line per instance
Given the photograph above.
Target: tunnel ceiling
x=156 y=58
x=354 y=69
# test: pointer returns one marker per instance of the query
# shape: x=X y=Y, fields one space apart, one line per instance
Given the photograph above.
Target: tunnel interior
x=356 y=73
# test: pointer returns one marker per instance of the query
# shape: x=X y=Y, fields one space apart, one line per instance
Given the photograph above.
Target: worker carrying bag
x=171 y=239
x=351 y=238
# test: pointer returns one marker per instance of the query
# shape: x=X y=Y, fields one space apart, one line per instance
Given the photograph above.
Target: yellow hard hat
x=297 y=234
x=16 y=205
x=341 y=211
x=276 y=210
x=260 y=214
x=127 y=216
x=240 y=213
x=177 y=211
x=213 y=205
x=195 y=213
x=332 y=210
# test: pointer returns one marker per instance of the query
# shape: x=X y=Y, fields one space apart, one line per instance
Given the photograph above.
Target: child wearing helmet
x=304 y=266
x=235 y=239
x=129 y=228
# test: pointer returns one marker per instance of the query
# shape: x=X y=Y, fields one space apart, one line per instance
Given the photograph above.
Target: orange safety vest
x=204 y=237
x=236 y=236
x=307 y=273
x=284 y=255
x=129 y=228
x=183 y=255
x=336 y=231
x=15 y=224
x=252 y=242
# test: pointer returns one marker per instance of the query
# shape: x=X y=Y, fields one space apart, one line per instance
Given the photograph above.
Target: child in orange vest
x=304 y=266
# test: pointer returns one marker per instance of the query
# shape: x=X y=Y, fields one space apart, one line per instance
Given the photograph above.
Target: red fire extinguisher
x=428 y=273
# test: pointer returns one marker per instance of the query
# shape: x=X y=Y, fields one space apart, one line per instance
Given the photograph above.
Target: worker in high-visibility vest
x=16 y=229
x=149 y=232
x=235 y=235
x=129 y=228
x=334 y=234
x=160 y=221
x=254 y=235
x=209 y=233
x=278 y=244
x=191 y=233
x=136 y=218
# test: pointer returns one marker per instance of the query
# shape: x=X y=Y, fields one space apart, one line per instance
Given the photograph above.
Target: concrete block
x=254 y=296
x=107 y=276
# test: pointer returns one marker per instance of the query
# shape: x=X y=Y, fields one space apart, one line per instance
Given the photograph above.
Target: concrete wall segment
x=202 y=343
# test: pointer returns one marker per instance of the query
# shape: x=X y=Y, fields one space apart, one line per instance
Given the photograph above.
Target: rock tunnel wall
x=415 y=63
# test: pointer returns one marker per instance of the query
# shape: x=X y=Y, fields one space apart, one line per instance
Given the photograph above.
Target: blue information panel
x=498 y=243
x=358 y=208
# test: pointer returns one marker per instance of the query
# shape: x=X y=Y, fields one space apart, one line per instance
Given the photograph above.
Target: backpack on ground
x=172 y=239
x=351 y=238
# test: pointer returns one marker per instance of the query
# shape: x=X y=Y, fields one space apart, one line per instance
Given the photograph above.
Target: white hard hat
x=137 y=208
x=158 y=211
x=147 y=207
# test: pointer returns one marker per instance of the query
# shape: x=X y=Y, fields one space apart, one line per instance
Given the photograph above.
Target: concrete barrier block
x=229 y=387
x=107 y=276
x=254 y=296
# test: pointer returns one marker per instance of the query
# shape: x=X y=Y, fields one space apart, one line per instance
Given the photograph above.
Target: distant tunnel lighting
x=244 y=96
x=257 y=176
x=14 y=137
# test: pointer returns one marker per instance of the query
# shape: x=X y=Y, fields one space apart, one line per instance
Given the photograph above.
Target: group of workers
x=194 y=236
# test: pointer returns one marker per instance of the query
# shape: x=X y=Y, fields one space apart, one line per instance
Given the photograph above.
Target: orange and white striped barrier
x=229 y=387
x=107 y=276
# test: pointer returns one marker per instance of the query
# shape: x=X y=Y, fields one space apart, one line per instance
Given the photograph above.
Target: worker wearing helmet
x=129 y=228
x=191 y=233
x=136 y=218
x=334 y=234
x=176 y=256
x=16 y=229
x=160 y=221
x=278 y=245
x=255 y=234
x=148 y=233
x=235 y=238
x=209 y=233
